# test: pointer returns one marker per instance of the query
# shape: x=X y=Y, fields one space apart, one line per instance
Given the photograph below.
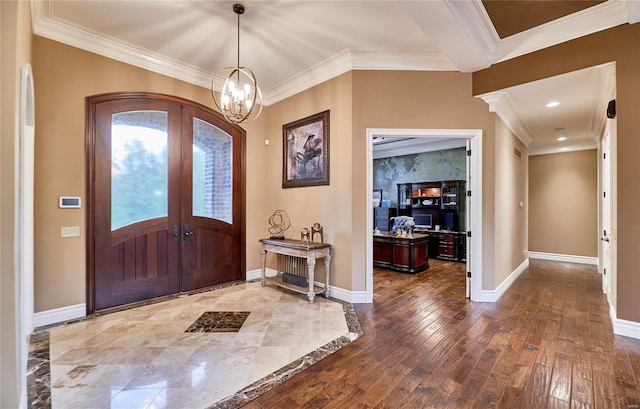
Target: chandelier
x=239 y=93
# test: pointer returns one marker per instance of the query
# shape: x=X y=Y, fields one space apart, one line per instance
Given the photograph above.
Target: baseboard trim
x=625 y=328
x=257 y=274
x=494 y=295
x=353 y=297
x=58 y=315
x=566 y=258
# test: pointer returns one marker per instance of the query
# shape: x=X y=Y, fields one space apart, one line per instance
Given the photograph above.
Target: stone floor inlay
x=215 y=321
x=39 y=371
x=143 y=357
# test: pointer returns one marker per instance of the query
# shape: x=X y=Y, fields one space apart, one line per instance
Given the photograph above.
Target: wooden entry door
x=166 y=198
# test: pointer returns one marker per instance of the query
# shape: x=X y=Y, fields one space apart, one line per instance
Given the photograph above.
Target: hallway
x=547 y=343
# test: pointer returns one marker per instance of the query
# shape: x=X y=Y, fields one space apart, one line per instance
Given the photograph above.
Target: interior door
x=166 y=190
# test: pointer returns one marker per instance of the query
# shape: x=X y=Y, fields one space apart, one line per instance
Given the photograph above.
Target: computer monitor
x=423 y=220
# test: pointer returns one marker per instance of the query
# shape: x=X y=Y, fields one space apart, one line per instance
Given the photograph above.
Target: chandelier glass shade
x=239 y=90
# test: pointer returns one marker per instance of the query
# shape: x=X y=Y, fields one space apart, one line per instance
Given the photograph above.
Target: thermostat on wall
x=69 y=202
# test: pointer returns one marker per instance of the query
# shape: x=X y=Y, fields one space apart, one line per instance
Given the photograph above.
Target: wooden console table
x=296 y=248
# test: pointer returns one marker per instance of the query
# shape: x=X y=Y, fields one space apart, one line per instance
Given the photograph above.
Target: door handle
x=175 y=234
x=187 y=231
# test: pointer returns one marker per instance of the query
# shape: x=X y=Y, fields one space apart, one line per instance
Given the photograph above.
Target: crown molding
x=58 y=30
x=501 y=103
x=426 y=61
x=347 y=60
x=476 y=22
x=454 y=28
x=331 y=67
x=63 y=32
x=588 y=21
x=473 y=17
x=470 y=15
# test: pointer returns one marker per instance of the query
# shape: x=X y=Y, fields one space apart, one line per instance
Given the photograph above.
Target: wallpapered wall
x=447 y=164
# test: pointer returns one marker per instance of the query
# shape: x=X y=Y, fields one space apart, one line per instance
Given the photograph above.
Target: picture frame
x=305 y=156
x=377 y=197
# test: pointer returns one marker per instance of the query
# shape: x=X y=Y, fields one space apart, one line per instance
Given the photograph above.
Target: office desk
x=408 y=255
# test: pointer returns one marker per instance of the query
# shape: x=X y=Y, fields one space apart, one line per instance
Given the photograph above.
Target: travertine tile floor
x=143 y=358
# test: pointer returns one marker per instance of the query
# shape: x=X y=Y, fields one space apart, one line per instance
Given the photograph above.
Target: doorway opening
x=473 y=209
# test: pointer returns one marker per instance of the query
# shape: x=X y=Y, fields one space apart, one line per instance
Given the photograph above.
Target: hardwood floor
x=547 y=343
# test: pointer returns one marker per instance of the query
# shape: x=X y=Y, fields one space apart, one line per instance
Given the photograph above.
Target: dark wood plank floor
x=547 y=343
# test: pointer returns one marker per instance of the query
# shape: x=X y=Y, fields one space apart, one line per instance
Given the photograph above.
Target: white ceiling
x=293 y=45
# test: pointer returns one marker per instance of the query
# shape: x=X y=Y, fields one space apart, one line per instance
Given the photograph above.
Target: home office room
x=419 y=203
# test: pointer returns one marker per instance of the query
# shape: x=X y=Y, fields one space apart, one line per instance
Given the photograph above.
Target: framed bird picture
x=305 y=158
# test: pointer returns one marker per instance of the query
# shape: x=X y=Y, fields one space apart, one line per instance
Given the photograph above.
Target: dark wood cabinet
x=448 y=245
x=443 y=200
x=439 y=207
x=426 y=195
x=382 y=217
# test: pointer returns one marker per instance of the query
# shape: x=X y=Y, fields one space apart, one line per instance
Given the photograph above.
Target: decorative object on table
x=305 y=235
x=239 y=91
x=409 y=226
x=317 y=229
x=279 y=223
x=305 y=158
x=400 y=225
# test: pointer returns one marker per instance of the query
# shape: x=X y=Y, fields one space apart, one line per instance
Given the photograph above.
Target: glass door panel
x=139 y=167
x=212 y=172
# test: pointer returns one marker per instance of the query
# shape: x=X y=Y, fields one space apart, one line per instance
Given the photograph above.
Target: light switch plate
x=73 y=231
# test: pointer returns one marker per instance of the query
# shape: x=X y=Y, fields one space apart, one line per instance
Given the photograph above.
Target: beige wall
x=599 y=48
x=417 y=100
x=328 y=205
x=15 y=48
x=357 y=100
x=511 y=189
x=64 y=76
x=445 y=102
x=563 y=195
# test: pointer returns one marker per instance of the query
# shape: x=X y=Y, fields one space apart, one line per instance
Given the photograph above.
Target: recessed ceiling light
x=552 y=104
x=562 y=138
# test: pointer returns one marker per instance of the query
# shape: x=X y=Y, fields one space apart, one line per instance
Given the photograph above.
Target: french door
x=166 y=198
